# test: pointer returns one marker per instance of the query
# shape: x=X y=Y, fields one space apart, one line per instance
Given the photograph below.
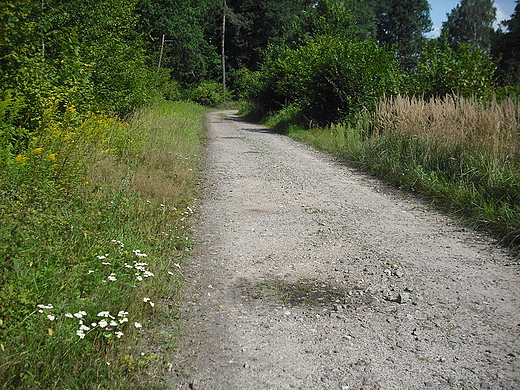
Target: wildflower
x=107 y=335
x=102 y=257
x=45 y=306
x=103 y=324
x=51 y=317
x=80 y=314
x=104 y=314
x=140 y=278
x=118 y=243
x=140 y=266
x=137 y=325
x=106 y=263
x=113 y=323
x=90 y=272
x=146 y=299
x=68 y=315
x=93 y=324
x=123 y=320
x=20 y=159
x=112 y=278
x=52 y=156
x=147 y=274
x=119 y=334
x=84 y=328
x=170 y=273
x=138 y=253
x=37 y=150
x=80 y=334
x=122 y=313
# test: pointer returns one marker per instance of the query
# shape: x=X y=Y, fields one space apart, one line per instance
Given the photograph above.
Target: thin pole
x=223 y=50
x=160 y=55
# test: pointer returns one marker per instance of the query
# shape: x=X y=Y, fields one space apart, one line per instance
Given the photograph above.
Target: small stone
x=485 y=385
x=403 y=297
x=452 y=380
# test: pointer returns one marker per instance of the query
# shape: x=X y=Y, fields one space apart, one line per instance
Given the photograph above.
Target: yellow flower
x=21 y=159
x=37 y=150
x=52 y=156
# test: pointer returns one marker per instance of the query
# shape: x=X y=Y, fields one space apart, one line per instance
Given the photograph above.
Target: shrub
x=441 y=71
x=329 y=78
x=207 y=93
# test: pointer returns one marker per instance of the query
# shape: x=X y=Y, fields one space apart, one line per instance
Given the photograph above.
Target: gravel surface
x=309 y=274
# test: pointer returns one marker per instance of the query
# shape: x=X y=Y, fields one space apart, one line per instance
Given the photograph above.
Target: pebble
x=403 y=297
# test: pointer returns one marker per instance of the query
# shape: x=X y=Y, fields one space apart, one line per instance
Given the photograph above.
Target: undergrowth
x=462 y=154
x=93 y=232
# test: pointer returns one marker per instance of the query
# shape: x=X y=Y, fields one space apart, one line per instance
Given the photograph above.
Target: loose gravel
x=309 y=274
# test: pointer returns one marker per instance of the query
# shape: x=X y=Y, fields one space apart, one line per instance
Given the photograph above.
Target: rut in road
x=311 y=275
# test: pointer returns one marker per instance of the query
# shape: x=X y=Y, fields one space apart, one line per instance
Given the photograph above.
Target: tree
x=470 y=22
x=193 y=28
x=346 y=19
x=506 y=46
x=401 y=24
x=254 y=25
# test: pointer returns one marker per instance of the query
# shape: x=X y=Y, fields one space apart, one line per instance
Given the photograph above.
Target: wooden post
x=160 y=55
x=162 y=48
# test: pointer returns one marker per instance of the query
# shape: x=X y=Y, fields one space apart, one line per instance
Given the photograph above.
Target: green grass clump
x=92 y=234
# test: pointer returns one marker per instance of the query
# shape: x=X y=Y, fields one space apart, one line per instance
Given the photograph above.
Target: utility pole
x=162 y=48
x=224 y=9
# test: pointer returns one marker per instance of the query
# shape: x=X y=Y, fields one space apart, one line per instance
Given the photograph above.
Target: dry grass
x=490 y=128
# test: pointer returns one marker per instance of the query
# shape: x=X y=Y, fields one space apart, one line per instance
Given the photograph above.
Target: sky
x=439 y=9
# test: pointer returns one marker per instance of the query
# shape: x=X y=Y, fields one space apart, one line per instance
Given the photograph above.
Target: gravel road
x=309 y=274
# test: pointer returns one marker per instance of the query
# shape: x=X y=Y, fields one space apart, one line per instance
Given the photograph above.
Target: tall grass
x=92 y=233
x=462 y=154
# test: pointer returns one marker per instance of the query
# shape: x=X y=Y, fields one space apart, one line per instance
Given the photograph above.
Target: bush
x=441 y=71
x=329 y=78
x=207 y=93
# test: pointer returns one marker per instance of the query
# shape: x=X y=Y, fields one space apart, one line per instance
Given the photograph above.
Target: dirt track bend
x=311 y=275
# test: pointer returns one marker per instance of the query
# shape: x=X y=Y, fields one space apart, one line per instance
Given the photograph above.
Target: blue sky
x=439 y=9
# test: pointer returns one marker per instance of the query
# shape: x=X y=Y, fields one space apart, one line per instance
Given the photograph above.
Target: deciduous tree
x=471 y=21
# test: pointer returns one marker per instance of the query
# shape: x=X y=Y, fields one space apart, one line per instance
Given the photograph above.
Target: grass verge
x=93 y=231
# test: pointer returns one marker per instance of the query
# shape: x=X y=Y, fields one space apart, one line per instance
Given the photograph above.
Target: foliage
x=401 y=25
x=329 y=78
x=207 y=93
x=471 y=21
x=188 y=26
x=93 y=224
x=506 y=46
x=443 y=71
x=254 y=25
x=345 y=19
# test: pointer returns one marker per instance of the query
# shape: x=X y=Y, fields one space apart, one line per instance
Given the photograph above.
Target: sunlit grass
x=93 y=231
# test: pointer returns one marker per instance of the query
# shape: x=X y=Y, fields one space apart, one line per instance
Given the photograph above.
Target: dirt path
x=311 y=275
